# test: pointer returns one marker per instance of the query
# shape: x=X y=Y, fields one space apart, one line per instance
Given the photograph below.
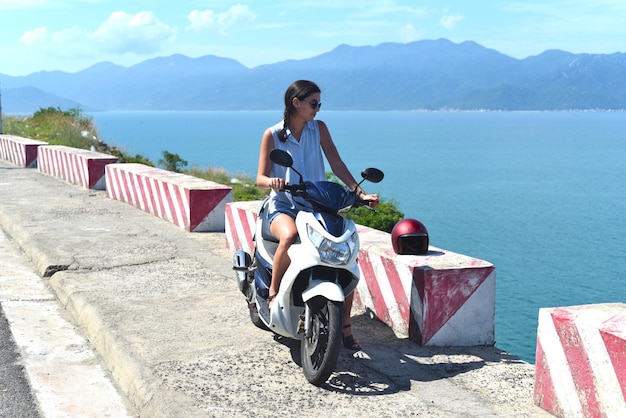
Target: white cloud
x=69 y=36
x=121 y=33
x=126 y=33
x=221 y=22
x=408 y=33
x=449 y=21
x=34 y=36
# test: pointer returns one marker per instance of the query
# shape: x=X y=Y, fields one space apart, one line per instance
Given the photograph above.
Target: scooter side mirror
x=281 y=157
x=372 y=174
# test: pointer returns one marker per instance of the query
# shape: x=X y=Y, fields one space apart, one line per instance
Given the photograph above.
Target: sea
x=541 y=195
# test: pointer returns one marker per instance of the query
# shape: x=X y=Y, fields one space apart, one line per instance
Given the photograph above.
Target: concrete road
x=47 y=368
x=16 y=399
x=162 y=310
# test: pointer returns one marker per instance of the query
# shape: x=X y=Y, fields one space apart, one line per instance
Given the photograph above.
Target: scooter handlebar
x=362 y=202
x=295 y=189
x=300 y=191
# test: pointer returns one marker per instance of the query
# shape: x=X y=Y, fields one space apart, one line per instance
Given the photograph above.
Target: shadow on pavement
x=388 y=364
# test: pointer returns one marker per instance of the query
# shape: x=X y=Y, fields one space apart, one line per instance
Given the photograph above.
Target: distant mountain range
x=428 y=75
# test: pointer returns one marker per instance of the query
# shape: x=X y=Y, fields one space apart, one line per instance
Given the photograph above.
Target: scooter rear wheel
x=319 y=353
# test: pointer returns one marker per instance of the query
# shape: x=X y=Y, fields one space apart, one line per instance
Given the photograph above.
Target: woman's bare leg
x=282 y=227
x=348 y=338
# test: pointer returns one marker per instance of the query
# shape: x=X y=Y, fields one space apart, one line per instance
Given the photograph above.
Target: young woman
x=305 y=139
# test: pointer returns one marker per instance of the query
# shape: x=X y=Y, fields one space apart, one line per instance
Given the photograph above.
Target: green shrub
x=172 y=162
x=59 y=127
x=137 y=158
x=383 y=218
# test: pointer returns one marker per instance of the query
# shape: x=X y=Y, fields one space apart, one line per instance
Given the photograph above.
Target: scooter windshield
x=329 y=195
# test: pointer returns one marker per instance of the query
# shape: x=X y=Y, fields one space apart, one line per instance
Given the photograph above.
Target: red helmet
x=409 y=236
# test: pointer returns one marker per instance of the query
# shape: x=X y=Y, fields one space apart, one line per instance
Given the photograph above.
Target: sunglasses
x=315 y=104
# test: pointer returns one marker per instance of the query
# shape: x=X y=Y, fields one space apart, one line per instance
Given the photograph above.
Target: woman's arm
x=263 y=178
x=334 y=159
x=339 y=167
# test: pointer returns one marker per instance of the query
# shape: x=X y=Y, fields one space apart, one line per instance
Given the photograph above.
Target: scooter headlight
x=336 y=253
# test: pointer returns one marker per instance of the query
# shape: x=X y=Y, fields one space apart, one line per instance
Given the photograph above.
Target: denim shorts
x=278 y=207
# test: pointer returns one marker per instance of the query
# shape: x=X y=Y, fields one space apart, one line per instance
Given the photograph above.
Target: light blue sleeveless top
x=307 y=159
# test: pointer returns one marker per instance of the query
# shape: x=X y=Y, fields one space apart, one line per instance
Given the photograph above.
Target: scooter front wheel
x=320 y=351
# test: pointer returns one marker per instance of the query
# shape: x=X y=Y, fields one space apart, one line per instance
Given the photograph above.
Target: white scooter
x=322 y=272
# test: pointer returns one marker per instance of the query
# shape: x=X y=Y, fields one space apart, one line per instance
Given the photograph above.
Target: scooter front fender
x=329 y=290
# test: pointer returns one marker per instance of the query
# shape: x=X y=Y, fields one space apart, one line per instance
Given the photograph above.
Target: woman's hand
x=277 y=183
x=371 y=199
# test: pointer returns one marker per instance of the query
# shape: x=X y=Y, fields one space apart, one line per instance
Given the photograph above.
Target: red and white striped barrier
x=438 y=299
x=194 y=204
x=240 y=223
x=580 y=365
x=77 y=166
x=19 y=151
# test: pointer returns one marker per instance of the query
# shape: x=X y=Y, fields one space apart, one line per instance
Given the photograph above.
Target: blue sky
x=71 y=35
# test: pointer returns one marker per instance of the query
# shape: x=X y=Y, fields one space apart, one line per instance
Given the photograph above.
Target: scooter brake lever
x=365 y=204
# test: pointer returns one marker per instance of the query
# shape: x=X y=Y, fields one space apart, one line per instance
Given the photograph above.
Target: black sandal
x=349 y=342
